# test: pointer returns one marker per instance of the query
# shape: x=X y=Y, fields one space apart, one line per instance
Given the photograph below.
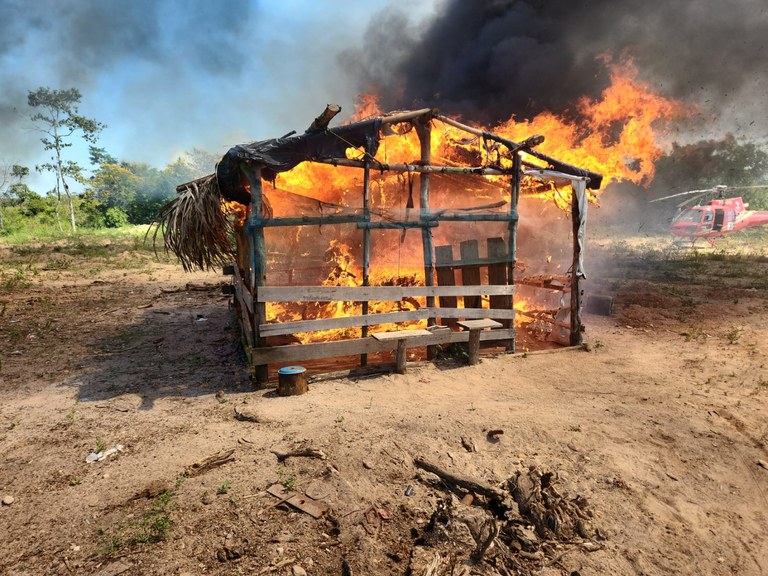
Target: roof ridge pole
x=424 y=132
x=258 y=276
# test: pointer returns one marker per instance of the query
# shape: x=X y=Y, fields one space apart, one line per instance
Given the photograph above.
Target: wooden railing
x=264 y=355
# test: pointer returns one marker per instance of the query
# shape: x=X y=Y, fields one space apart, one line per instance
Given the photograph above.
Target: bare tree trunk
x=66 y=187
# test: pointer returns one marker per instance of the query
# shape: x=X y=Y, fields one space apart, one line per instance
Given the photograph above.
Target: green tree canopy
x=58 y=118
x=708 y=163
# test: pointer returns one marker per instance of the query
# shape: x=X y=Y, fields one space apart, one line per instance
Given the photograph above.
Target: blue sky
x=169 y=75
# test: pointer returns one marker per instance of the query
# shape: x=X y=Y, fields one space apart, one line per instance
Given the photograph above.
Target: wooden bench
x=475 y=327
x=401 y=336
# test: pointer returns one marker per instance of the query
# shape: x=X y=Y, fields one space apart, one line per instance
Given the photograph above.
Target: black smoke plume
x=487 y=60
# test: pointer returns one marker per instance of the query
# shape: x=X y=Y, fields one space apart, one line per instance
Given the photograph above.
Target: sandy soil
x=659 y=428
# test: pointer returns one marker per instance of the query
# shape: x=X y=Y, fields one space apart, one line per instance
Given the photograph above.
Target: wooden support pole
x=517 y=174
x=321 y=122
x=424 y=132
x=594 y=180
x=576 y=336
x=420 y=168
x=366 y=243
x=258 y=273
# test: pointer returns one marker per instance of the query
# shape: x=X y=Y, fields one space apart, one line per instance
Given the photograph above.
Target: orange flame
x=616 y=135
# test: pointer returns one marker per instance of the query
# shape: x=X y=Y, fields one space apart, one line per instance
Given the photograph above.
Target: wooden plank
x=313 y=507
x=298 y=353
x=242 y=293
x=447 y=314
x=472 y=313
x=497 y=273
x=400 y=334
x=372 y=293
x=445 y=277
x=343 y=322
x=479 y=324
x=470 y=276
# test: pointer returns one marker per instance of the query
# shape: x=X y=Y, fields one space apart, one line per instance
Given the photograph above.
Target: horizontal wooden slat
x=372 y=293
x=479 y=324
x=385 y=318
x=400 y=334
x=342 y=322
x=475 y=313
x=299 y=353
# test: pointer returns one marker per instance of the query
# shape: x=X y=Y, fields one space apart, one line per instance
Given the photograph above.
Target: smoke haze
x=167 y=76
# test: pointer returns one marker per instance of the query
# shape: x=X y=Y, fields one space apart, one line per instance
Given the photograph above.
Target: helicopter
x=718 y=217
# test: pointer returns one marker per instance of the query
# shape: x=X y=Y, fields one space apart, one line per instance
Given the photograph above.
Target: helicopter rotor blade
x=756 y=186
x=689 y=192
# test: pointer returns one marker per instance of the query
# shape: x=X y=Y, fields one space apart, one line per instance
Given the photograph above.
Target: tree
x=707 y=163
x=59 y=121
x=10 y=182
x=99 y=156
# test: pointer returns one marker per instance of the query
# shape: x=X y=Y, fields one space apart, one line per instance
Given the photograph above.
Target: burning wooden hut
x=394 y=233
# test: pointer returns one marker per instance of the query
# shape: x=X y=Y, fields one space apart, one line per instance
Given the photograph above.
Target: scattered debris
x=104 y=454
x=209 y=463
x=302 y=502
x=152 y=490
x=522 y=527
x=247 y=415
x=275 y=567
x=304 y=453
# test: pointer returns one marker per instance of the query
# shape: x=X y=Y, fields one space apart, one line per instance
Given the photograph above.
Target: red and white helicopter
x=716 y=218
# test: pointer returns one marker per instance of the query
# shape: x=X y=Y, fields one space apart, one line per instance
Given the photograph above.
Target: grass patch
x=154 y=525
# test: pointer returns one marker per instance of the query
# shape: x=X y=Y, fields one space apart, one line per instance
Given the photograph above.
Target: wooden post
x=470 y=275
x=475 y=327
x=258 y=273
x=400 y=356
x=366 y=243
x=445 y=277
x=514 y=216
x=576 y=335
x=497 y=275
x=424 y=132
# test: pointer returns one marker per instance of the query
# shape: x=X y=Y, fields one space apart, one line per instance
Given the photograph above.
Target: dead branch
x=209 y=463
x=483 y=545
x=460 y=481
x=305 y=453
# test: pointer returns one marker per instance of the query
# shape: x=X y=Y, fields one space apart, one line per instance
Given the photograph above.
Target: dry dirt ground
x=656 y=432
